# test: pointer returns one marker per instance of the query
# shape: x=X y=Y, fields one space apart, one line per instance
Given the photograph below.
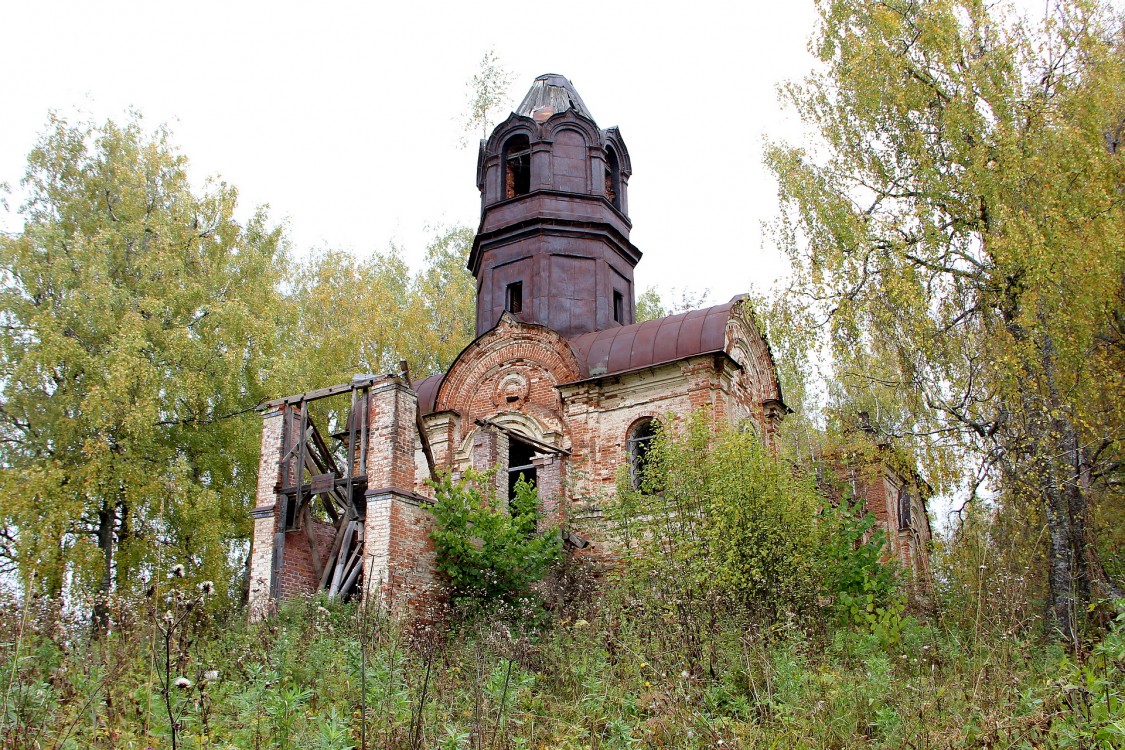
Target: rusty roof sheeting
x=654 y=342
x=633 y=347
x=427 y=389
x=555 y=93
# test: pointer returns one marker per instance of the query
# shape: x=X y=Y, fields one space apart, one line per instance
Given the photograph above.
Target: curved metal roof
x=634 y=347
x=427 y=389
x=552 y=93
x=654 y=342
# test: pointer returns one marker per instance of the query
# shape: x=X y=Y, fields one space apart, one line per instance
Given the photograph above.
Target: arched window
x=613 y=178
x=517 y=166
x=904 y=503
x=639 y=442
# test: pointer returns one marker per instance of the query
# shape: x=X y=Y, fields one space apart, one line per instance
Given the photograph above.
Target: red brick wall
x=412 y=584
x=480 y=383
x=298 y=575
x=391 y=460
x=877 y=486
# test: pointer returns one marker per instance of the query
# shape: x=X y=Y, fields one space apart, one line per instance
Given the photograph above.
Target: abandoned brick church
x=560 y=384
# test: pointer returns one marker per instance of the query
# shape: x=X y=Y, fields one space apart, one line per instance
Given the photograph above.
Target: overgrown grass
x=609 y=674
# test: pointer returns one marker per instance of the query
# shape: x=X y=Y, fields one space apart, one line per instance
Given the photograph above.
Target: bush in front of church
x=491 y=551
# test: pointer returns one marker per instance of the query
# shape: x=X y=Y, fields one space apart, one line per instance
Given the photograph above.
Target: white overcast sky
x=343 y=116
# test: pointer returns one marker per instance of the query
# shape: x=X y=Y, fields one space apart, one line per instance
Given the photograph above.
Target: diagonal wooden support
x=341 y=532
x=346 y=549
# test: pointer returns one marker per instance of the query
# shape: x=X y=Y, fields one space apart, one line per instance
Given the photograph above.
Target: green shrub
x=1091 y=695
x=863 y=587
x=850 y=546
x=490 y=553
x=721 y=521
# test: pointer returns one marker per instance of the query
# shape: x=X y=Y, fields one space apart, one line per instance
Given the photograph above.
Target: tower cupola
x=553 y=244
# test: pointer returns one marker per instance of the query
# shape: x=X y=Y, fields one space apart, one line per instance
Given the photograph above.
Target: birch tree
x=960 y=212
x=136 y=321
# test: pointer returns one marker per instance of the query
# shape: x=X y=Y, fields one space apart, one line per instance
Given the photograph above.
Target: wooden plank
x=312 y=457
x=345 y=551
x=301 y=460
x=331 y=390
x=353 y=574
x=352 y=424
x=330 y=508
x=350 y=511
x=342 y=558
x=311 y=465
x=336 y=543
x=364 y=431
x=325 y=454
x=545 y=447
x=278 y=551
x=323 y=483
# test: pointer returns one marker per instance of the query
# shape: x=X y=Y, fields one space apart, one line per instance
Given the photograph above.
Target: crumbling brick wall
x=299 y=573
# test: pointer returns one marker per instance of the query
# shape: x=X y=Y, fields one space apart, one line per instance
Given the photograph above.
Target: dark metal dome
x=551 y=94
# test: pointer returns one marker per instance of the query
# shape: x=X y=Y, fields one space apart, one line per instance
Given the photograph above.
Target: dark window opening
x=520 y=456
x=904 y=502
x=517 y=167
x=618 y=307
x=612 y=179
x=639 y=444
x=513 y=298
x=290 y=514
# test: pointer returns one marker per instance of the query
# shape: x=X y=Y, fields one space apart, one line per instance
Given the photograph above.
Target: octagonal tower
x=553 y=244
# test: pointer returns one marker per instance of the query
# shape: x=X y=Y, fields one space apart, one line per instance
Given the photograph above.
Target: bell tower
x=553 y=244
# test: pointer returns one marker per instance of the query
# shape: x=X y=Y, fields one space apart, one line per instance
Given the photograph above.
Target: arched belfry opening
x=612 y=178
x=517 y=166
x=553 y=244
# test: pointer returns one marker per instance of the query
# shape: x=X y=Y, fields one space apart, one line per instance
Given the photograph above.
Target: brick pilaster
x=264 y=514
x=490 y=450
x=548 y=476
x=393 y=436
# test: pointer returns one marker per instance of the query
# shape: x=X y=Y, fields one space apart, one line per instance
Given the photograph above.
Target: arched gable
x=747 y=347
x=514 y=367
x=575 y=123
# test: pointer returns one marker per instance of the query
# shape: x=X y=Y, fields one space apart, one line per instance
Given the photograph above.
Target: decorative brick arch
x=746 y=346
x=513 y=367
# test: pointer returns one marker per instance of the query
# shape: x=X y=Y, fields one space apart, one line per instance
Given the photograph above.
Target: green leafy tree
x=138 y=320
x=348 y=316
x=717 y=518
x=650 y=305
x=491 y=553
x=443 y=301
x=488 y=96
x=345 y=317
x=959 y=219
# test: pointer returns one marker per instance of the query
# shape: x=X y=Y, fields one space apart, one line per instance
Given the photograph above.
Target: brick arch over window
x=746 y=345
x=514 y=366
